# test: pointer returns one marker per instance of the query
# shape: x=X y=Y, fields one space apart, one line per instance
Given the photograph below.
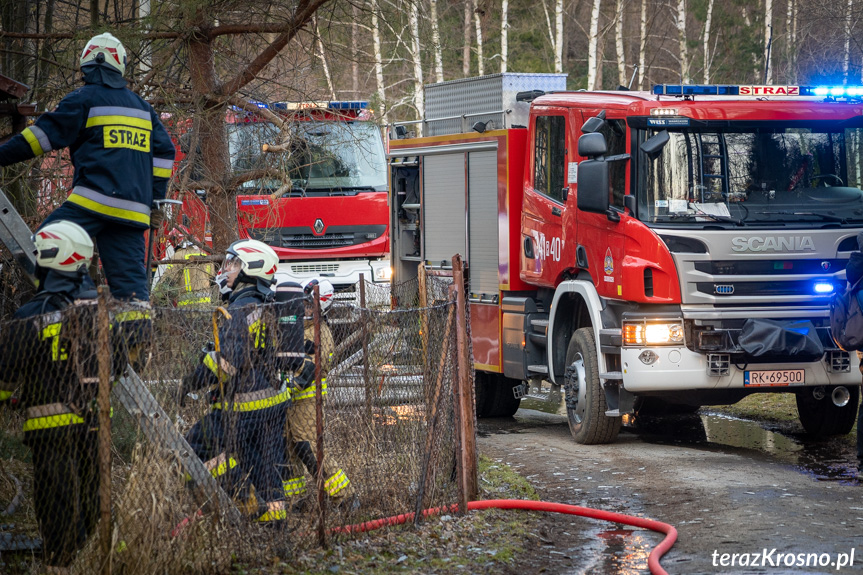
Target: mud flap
x=619 y=400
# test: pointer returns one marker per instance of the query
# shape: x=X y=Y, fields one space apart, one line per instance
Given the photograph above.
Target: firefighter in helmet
x=49 y=354
x=301 y=428
x=122 y=156
x=186 y=284
x=243 y=385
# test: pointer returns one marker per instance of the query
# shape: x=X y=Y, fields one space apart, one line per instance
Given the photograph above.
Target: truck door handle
x=555 y=211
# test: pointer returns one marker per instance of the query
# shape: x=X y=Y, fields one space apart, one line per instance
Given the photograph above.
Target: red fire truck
x=677 y=247
x=323 y=204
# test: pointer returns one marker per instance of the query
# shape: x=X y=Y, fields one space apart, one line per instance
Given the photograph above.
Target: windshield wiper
x=714 y=217
x=829 y=217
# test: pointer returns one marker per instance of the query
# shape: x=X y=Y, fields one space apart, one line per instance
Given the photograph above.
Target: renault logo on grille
x=723 y=289
x=319 y=226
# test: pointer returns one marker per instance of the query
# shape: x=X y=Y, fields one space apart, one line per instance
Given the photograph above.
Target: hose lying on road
x=652 y=560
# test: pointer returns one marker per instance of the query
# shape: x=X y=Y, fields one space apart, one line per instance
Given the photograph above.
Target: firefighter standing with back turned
x=49 y=353
x=122 y=157
x=301 y=429
x=241 y=377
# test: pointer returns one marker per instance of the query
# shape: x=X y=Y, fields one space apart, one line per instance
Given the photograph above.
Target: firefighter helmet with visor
x=249 y=261
x=105 y=49
x=63 y=246
x=326 y=292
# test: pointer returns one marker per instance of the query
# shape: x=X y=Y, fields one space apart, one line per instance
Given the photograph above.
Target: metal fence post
x=104 y=402
x=365 y=338
x=319 y=421
x=464 y=407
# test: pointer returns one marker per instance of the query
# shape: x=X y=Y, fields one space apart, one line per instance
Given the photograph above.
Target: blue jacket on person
x=121 y=152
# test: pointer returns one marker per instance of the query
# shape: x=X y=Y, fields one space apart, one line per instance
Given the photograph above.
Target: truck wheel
x=585 y=398
x=494 y=397
x=820 y=417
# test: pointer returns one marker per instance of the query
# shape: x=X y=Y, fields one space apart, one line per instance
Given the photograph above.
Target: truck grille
x=314 y=268
x=303 y=238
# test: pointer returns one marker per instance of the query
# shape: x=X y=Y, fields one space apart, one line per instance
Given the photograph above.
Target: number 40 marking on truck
x=550 y=248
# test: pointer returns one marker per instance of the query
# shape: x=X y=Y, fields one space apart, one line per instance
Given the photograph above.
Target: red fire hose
x=652 y=559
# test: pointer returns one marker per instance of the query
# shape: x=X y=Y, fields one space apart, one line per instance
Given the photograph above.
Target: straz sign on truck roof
x=638 y=249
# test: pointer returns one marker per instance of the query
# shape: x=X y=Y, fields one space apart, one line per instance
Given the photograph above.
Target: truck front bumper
x=679 y=369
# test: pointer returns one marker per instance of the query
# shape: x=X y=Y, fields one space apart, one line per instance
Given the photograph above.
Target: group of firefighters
x=265 y=389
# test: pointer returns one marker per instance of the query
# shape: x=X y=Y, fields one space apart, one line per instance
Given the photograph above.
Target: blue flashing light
x=695 y=90
x=824 y=288
x=348 y=105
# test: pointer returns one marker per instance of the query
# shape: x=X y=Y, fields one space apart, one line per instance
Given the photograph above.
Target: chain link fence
x=202 y=463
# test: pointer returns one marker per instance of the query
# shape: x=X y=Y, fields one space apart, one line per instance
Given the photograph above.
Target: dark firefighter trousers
x=252 y=454
x=65 y=488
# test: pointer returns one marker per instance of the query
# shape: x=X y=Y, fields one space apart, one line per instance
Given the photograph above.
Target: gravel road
x=728 y=486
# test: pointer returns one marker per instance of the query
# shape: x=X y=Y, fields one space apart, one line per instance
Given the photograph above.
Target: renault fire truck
x=676 y=247
x=321 y=200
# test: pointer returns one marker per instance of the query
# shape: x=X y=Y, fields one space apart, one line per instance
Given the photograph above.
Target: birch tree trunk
x=794 y=40
x=748 y=22
x=789 y=42
x=846 y=60
x=465 y=53
x=504 y=36
x=618 y=44
x=355 y=50
x=642 y=46
x=707 y=23
x=681 y=39
x=479 y=63
x=438 y=57
x=323 y=57
x=593 y=45
x=419 y=103
x=379 y=60
x=768 y=32
x=558 y=42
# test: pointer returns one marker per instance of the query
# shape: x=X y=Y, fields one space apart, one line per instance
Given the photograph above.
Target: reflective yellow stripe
x=223 y=467
x=336 y=483
x=295 y=486
x=33 y=141
x=192 y=301
x=131 y=316
x=119 y=121
x=309 y=392
x=259 y=403
x=52 y=332
x=273 y=515
x=4 y=395
x=211 y=364
x=51 y=421
x=108 y=210
x=161 y=172
x=259 y=330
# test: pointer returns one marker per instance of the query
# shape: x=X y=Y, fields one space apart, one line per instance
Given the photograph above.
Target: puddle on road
x=828 y=460
x=615 y=551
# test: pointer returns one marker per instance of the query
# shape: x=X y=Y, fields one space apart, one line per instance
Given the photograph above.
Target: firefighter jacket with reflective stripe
x=121 y=152
x=196 y=278
x=243 y=368
x=302 y=381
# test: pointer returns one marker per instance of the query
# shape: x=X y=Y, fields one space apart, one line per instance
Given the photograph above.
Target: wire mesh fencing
x=197 y=460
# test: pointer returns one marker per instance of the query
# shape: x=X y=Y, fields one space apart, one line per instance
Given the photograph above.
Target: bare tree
x=706 y=41
x=642 y=45
x=846 y=59
x=465 y=55
x=378 y=59
x=593 y=46
x=504 y=36
x=478 y=25
x=618 y=43
x=419 y=103
x=558 y=44
x=680 y=19
x=436 y=47
x=768 y=40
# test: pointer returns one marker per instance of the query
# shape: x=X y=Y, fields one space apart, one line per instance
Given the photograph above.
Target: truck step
x=538 y=368
x=612 y=413
x=539 y=322
x=612 y=375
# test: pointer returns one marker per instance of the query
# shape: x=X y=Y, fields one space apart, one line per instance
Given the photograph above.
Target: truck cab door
x=544 y=237
x=600 y=237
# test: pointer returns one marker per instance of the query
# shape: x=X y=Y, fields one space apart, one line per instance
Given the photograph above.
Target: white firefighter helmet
x=105 y=49
x=326 y=292
x=63 y=246
x=248 y=261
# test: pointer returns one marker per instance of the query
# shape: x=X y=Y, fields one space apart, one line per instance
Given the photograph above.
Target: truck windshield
x=762 y=174
x=322 y=158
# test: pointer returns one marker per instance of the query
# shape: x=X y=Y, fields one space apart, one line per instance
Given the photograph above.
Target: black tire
x=588 y=423
x=494 y=397
x=821 y=417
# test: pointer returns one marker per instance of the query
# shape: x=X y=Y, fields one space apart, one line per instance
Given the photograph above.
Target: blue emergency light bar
x=750 y=90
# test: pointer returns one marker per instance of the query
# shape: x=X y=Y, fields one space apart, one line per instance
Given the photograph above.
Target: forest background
x=193 y=59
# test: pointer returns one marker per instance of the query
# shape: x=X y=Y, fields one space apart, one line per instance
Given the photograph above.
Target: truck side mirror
x=592 y=185
x=594 y=124
x=654 y=145
x=592 y=146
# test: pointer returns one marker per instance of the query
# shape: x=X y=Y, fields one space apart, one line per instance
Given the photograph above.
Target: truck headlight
x=652 y=333
x=383 y=274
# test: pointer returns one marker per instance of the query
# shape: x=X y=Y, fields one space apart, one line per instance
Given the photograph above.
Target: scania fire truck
x=320 y=201
x=679 y=246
